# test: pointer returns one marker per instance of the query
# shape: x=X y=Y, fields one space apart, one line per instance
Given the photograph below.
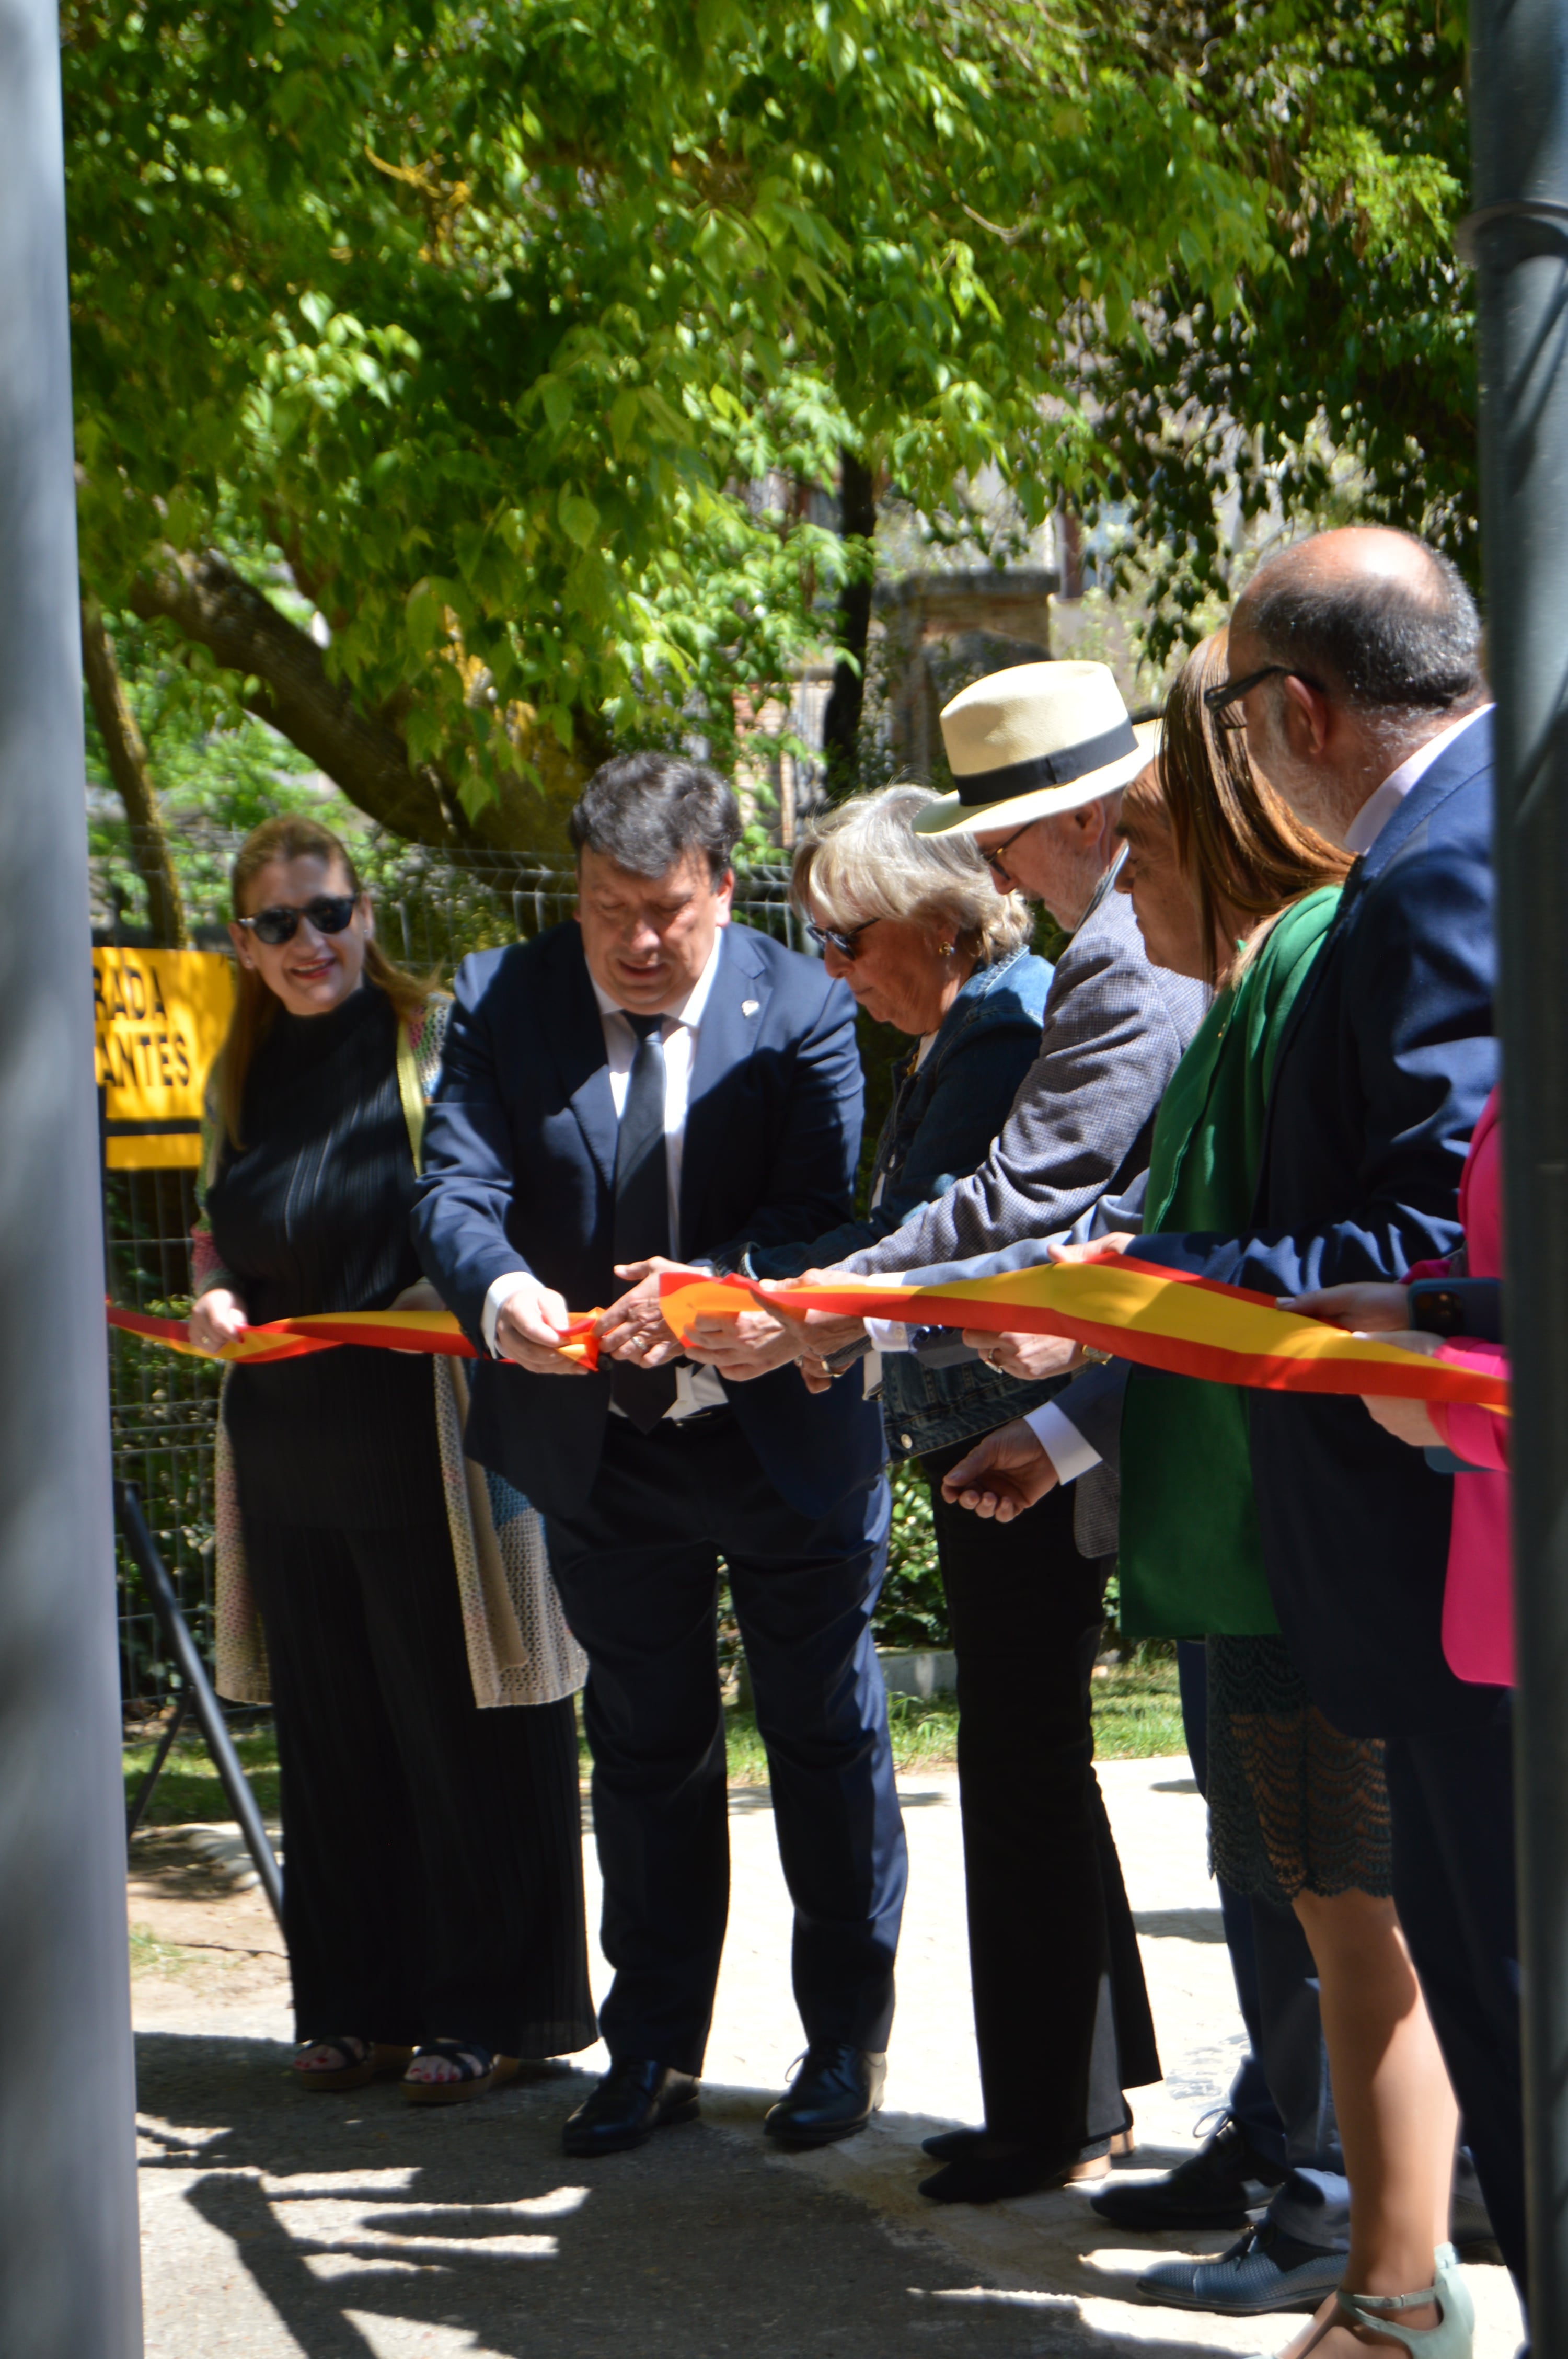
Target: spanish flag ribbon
x=1160 y=1318
x=392 y=1330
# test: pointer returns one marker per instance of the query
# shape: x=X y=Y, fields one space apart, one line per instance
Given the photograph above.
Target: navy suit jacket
x=520 y=1170
x=1380 y=1082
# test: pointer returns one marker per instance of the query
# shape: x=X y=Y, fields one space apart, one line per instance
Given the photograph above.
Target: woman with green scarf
x=1225 y=884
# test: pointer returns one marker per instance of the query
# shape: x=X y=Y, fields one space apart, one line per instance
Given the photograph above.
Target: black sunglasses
x=1220 y=699
x=330 y=913
x=830 y=938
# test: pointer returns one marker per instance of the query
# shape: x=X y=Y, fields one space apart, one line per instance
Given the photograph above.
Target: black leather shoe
x=833 y=2095
x=950 y=2145
x=990 y=2169
x=1225 y=2180
x=634 y=2099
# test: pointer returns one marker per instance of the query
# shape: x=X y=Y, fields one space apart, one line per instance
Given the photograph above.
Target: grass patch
x=925 y=1736
x=189 y=1792
x=1136 y=1708
x=151 y=1956
x=1137 y=1712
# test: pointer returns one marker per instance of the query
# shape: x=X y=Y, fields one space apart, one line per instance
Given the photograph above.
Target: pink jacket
x=1478 y=1603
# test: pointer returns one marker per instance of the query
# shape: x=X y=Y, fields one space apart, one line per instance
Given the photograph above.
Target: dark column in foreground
x=1518 y=236
x=69 y=2279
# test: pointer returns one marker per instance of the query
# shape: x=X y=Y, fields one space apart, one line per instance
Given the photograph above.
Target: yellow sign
x=159 y=1019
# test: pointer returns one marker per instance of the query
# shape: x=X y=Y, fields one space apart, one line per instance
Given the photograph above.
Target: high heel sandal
x=1452 y=2338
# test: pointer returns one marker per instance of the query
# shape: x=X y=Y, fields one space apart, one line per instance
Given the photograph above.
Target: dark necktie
x=643 y=1209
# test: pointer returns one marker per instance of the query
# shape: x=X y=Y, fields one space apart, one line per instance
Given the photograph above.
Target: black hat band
x=1047 y=770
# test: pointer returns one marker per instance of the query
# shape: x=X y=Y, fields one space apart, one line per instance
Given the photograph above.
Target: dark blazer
x=1380 y=1080
x=520 y=1169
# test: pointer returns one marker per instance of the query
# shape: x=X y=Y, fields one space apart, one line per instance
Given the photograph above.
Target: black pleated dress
x=432 y=1852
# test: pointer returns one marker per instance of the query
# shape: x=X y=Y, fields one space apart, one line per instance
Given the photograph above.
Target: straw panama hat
x=1036 y=739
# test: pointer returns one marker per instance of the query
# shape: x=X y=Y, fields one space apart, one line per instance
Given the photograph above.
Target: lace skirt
x=1293 y=1806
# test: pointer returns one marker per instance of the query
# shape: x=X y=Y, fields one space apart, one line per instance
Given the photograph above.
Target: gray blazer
x=1077 y=1140
x=1081 y=1125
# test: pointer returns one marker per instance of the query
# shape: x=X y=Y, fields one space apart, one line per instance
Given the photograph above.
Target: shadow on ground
x=367 y=2229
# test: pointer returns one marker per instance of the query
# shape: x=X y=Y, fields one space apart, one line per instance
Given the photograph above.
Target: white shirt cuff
x=502 y=1289
x=888 y=1334
x=1063 y=1445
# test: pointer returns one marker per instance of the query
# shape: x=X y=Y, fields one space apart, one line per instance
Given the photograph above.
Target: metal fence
x=163 y=1407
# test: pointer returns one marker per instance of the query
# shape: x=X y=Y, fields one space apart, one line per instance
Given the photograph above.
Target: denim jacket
x=945 y=1115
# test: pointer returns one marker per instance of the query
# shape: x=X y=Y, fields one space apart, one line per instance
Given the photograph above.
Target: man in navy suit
x=649 y=1083
x=1355 y=667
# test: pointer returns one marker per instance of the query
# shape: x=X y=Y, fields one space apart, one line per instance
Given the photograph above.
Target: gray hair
x=1385 y=644
x=863 y=860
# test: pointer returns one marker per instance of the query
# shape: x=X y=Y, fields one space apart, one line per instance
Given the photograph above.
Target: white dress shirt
x=696 y=1388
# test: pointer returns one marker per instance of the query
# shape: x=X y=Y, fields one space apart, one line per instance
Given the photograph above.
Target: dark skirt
x=1293 y=1805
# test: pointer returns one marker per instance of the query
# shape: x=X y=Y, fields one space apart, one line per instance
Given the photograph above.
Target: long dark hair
x=1236 y=840
x=290 y=837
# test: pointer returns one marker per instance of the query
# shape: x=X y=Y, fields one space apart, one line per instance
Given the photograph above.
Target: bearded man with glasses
x=1355 y=667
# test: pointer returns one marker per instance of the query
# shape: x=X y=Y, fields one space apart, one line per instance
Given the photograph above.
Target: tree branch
x=127 y=758
x=366 y=757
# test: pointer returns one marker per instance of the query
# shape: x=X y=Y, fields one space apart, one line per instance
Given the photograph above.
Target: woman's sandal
x=367 y=2060
x=357 y=2068
x=478 y=2071
x=1378 y=2313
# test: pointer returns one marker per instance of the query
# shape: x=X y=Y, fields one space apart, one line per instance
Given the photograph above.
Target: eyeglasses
x=1221 y=700
x=330 y=913
x=828 y=938
x=995 y=862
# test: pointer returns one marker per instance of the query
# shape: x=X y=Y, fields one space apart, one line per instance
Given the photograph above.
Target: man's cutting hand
x=530 y=1328
x=634 y=1327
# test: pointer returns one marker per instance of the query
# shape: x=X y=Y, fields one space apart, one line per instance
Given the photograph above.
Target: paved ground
x=358 y=2228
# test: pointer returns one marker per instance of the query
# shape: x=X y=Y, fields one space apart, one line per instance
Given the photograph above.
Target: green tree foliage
x=485 y=322
x=1344 y=383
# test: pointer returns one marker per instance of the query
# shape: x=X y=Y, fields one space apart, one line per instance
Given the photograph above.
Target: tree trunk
x=127 y=758
x=841 y=721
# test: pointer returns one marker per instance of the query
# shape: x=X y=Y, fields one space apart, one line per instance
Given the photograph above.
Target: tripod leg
x=144 y=1791
x=209 y=1711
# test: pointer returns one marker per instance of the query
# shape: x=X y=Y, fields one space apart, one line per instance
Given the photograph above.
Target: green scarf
x=1192 y=1559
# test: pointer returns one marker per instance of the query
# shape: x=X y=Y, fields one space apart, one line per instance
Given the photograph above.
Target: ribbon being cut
x=392 y=1330
x=1159 y=1319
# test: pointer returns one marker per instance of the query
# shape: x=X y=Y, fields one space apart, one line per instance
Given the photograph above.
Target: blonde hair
x=863 y=860
x=290 y=837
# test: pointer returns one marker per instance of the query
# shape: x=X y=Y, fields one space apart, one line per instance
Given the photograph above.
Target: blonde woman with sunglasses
x=433 y=1902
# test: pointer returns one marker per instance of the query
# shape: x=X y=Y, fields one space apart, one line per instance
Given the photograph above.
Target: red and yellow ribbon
x=1159 y=1318
x=1162 y=1319
x=392 y=1330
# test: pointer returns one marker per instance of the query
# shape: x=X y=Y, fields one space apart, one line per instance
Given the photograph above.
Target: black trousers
x=432 y=1881
x=1451 y=1796
x=1062 y=2016
x=638 y=1573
